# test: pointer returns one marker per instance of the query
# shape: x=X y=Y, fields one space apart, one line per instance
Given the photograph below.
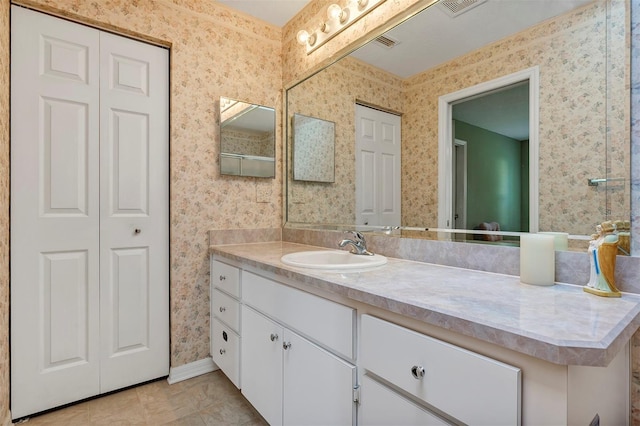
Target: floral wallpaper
x=4 y=213
x=261 y=144
x=214 y=51
x=313 y=149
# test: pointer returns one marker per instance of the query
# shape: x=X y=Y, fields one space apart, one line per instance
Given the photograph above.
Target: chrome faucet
x=357 y=242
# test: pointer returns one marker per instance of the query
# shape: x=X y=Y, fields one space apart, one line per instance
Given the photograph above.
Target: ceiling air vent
x=386 y=41
x=458 y=7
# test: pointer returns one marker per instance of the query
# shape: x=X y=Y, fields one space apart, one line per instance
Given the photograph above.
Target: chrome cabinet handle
x=417 y=371
x=274 y=337
x=222 y=277
x=286 y=345
x=222 y=309
x=222 y=351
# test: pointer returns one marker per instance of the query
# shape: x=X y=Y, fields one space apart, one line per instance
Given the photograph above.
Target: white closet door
x=377 y=167
x=54 y=212
x=134 y=217
x=89 y=212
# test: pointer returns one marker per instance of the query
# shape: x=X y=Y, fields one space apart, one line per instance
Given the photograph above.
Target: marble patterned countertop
x=561 y=324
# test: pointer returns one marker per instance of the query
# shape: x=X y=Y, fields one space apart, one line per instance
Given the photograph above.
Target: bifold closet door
x=134 y=212
x=72 y=310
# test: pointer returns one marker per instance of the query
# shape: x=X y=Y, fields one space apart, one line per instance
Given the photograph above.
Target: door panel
x=134 y=219
x=130 y=149
x=261 y=364
x=130 y=293
x=64 y=290
x=377 y=167
x=65 y=147
x=54 y=212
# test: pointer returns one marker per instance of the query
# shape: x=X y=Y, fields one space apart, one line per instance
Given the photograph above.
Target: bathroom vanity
x=415 y=343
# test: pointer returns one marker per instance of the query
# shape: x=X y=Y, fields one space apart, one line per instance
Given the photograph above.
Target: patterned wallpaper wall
x=313 y=149
x=215 y=51
x=4 y=212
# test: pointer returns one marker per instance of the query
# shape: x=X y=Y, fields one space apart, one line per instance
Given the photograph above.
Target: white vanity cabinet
x=456 y=384
x=297 y=352
x=225 y=319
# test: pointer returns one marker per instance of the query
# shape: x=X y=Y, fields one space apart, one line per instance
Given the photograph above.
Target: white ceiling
x=433 y=36
x=276 y=12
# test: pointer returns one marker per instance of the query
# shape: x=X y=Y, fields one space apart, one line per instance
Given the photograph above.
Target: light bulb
x=334 y=11
x=302 y=37
x=360 y=4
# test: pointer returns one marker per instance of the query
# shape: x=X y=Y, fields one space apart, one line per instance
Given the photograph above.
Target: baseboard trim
x=193 y=369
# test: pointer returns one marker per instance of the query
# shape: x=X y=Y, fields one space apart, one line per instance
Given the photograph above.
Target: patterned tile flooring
x=210 y=399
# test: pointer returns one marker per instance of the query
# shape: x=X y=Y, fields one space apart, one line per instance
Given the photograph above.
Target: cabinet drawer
x=330 y=324
x=226 y=308
x=225 y=277
x=225 y=350
x=467 y=386
x=380 y=406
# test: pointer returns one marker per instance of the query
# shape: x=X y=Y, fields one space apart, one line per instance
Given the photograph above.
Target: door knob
x=222 y=351
x=222 y=309
x=222 y=277
x=286 y=345
x=417 y=371
x=274 y=337
x=137 y=231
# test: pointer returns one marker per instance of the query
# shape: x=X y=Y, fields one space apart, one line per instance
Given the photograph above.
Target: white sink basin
x=332 y=259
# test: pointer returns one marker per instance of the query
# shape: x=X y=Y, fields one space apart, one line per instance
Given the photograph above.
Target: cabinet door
x=318 y=386
x=380 y=406
x=261 y=364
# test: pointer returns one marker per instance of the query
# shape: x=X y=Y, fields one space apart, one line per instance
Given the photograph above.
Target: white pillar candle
x=561 y=240
x=537 y=259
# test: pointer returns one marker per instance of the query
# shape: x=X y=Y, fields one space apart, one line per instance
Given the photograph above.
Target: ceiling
x=276 y=12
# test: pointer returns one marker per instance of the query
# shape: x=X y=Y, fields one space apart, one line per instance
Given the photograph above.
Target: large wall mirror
x=247 y=139
x=567 y=129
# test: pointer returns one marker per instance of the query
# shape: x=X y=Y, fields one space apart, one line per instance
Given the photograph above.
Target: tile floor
x=210 y=399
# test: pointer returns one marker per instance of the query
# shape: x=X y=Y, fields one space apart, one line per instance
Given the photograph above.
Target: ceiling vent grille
x=458 y=7
x=386 y=41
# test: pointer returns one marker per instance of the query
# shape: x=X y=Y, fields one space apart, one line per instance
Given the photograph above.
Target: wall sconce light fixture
x=338 y=18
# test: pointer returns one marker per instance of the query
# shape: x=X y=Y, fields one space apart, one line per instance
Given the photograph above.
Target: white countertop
x=560 y=323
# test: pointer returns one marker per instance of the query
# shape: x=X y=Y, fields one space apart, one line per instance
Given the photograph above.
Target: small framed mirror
x=247 y=139
x=313 y=149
